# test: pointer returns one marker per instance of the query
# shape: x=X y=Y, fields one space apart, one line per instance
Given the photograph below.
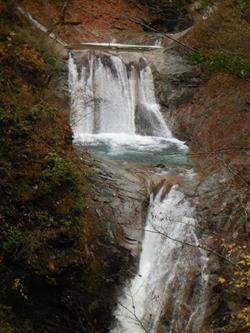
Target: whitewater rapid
x=163 y=269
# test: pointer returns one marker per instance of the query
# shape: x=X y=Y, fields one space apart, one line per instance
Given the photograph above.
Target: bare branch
x=199 y=246
x=135 y=316
x=139 y=21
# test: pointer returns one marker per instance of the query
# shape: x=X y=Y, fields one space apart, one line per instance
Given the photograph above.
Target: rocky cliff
x=168 y=16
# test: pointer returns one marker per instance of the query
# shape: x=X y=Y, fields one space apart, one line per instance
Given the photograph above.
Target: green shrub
x=246 y=9
x=14 y=240
x=221 y=62
x=41 y=111
x=59 y=170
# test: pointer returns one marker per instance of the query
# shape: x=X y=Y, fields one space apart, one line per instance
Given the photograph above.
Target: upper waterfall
x=106 y=94
x=114 y=108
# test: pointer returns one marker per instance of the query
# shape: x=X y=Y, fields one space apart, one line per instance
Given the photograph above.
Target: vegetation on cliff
x=53 y=249
x=219 y=42
x=216 y=122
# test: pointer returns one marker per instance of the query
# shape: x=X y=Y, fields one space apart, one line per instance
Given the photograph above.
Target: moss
x=15 y=238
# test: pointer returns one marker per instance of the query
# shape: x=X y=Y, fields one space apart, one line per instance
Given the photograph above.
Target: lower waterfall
x=114 y=113
x=166 y=264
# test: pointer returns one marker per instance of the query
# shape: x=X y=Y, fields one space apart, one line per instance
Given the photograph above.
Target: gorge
x=124 y=164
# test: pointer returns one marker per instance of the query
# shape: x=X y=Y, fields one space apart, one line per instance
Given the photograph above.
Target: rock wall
x=169 y=16
x=210 y=113
x=216 y=126
x=176 y=80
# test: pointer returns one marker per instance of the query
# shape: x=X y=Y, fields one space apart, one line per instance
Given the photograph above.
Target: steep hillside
x=108 y=20
x=215 y=123
x=49 y=237
x=168 y=16
x=80 y=20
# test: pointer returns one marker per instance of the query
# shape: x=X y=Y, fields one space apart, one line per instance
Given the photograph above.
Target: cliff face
x=56 y=252
x=107 y=20
x=79 y=20
x=215 y=122
x=169 y=16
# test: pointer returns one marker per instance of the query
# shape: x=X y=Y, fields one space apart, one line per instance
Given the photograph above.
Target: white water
x=108 y=94
x=113 y=104
x=163 y=267
x=102 y=100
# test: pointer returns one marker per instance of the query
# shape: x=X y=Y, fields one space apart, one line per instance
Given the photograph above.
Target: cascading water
x=166 y=263
x=115 y=114
x=114 y=109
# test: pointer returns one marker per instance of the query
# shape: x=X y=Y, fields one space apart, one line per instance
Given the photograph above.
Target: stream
x=115 y=115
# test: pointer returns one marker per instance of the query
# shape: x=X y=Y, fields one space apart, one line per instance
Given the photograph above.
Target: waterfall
x=168 y=264
x=114 y=112
x=149 y=106
x=106 y=93
x=114 y=109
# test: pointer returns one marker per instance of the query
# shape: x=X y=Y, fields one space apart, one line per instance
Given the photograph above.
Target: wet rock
x=121 y=200
x=175 y=82
x=146 y=121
